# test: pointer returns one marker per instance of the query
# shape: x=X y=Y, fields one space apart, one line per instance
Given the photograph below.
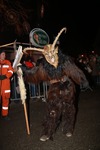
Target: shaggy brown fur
x=61 y=94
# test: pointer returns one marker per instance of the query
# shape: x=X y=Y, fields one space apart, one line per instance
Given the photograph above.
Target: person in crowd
x=29 y=63
x=6 y=71
x=83 y=64
x=95 y=71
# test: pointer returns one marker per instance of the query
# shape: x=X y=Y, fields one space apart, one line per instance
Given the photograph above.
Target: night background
x=19 y=17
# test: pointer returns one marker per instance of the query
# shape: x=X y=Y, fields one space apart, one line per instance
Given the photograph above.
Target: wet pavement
x=14 y=134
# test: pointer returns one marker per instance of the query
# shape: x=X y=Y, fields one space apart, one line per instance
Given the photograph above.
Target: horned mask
x=50 y=51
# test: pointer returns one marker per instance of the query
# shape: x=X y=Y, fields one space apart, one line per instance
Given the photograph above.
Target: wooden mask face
x=51 y=55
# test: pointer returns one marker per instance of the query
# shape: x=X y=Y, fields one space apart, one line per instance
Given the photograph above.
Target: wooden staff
x=22 y=90
x=5 y=45
x=17 y=43
x=26 y=117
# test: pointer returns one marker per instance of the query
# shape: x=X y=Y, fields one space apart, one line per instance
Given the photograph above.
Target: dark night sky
x=82 y=21
x=80 y=18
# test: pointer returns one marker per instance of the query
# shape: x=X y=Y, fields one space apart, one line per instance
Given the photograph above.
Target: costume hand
x=2 y=77
x=84 y=85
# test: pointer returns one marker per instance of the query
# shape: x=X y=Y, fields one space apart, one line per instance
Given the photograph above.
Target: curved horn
x=54 y=43
x=35 y=49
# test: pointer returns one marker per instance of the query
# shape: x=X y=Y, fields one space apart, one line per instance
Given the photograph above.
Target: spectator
x=6 y=71
x=29 y=63
x=94 y=66
x=83 y=64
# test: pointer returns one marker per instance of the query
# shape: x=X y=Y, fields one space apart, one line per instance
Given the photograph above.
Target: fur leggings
x=60 y=108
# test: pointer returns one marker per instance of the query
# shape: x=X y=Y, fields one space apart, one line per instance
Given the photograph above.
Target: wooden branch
x=26 y=118
x=6 y=45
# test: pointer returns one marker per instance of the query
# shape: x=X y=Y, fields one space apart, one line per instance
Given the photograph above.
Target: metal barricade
x=35 y=90
x=38 y=90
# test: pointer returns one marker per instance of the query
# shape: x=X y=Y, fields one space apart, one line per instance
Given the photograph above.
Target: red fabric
x=5 y=69
x=29 y=64
x=5 y=105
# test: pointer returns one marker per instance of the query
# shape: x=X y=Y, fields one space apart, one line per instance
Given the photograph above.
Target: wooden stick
x=22 y=90
x=26 y=118
x=6 y=44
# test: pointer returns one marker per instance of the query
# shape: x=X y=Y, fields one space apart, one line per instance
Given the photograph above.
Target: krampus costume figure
x=62 y=74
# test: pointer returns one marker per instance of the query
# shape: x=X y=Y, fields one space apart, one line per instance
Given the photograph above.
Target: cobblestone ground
x=14 y=134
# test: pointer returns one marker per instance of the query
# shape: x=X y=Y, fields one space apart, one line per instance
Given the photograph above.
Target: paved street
x=14 y=136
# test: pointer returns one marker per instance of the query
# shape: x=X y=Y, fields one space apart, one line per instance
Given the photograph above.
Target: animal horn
x=54 y=43
x=31 y=48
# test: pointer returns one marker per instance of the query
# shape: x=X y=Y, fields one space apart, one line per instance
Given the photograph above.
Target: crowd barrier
x=32 y=90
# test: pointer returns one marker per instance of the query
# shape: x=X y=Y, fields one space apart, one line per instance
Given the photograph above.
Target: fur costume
x=61 y=92
x=61 y=100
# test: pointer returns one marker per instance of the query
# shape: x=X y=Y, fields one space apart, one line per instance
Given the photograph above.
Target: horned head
x=49 y=51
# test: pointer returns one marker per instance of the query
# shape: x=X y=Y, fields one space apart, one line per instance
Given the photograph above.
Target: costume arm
x=35 y=75
x=75 y=73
